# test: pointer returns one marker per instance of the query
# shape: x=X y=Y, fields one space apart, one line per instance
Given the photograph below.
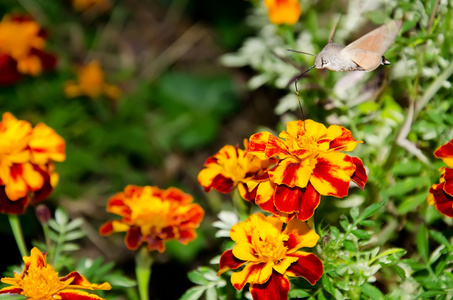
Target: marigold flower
x=311 y=164
x=91 y=83
x=26 y=163
x=21 y=49
x=270 y=254
x=154 y=216
x=231 y=167
x=283 y=11
x=441 y=194
x=39 y=280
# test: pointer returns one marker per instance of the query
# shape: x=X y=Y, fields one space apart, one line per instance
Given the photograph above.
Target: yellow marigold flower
x=231 y=167
x=154 y=216
x=26 y=162
x=21 y=49
x=441 y=194
x=91 y=83
x=283 y=11
x=270 y=254
x=312 y=163
x=39 y=281
x=83 y=5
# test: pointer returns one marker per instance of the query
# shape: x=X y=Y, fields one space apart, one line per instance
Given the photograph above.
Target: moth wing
x=378 y=40
x=367 y=60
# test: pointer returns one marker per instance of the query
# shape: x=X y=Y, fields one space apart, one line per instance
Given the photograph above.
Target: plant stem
x=143 y=263
x=17 y=232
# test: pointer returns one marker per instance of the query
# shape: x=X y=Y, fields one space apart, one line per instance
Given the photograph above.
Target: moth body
x=332 y=58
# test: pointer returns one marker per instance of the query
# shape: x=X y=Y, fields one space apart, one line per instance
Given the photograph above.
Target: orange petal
x=332 y=174
x=341 y=138
x=265 y=145
x=308 y=266
x=291 y=172
x=252 y=273
x=228 y=261
x=445 y=152
x=284 y=264
x=300 y=235
x=79 y=295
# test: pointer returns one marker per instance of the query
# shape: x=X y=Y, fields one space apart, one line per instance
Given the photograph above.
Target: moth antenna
x=297 y=93
x=301 y=52
x=332 y=31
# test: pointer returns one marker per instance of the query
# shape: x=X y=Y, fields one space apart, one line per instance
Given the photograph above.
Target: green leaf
x=439 y=237
x=74 y=235
x=372 y=292
x=361 y=234
x=193 y=293
x=370 y=210
x=344 y=222
x=211 y=293
x=407 y=185
x=354 y=213
x=12 y=297
x=422 y=242
x=61 y=217
x=410 y=203
x=325 y=280
x=429 y=294
x=367 y=223
x=400 y=272
x=297 y=293
x=197 y=278
x=348 y=245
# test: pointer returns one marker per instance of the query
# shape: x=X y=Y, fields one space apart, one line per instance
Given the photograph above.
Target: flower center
x=41 y=283
x=149 y=212
x=270 y=248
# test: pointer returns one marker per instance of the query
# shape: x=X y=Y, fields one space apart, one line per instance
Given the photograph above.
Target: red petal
x=277 y=287
x=133 y=238
x=229 y=262
x=359 y=177
x=443 y=201
x=222 y=184
x=8 y=70
x=309 y=266
x=16 y=207
x=343 y=140
x=48 y=61
x=106 y=228
x=444 y=150
x=302 y=201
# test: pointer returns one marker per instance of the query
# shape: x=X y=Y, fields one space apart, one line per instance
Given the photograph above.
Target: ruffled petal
x=341 y=138
x=359 y=177
x=291 y=172
x=302 y=202
x=79 y=295
x=277 y=287
x=300 y=235
x=252 y=273
x=309 y=266
x=265 y=145
x=332 y=174
x=442 y=201
x=445 y=152
x=229 y=262
x=133 y=238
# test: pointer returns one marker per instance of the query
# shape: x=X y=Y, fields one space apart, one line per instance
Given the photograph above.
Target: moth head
x=321 y=61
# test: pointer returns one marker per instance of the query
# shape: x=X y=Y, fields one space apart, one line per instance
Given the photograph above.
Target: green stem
x=239 y=204
x=143 y=263
x=18 y=235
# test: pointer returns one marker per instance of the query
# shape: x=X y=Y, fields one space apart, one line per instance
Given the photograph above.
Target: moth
x=364 y=54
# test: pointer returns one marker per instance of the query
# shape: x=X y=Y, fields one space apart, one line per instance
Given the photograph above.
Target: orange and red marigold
x=154 y=216
x=441 y=194
x=22 y=43
x=26 y=163
x=283 y=11
x=269 y=254
x=311 y=164
x=38 y=280
x=232 y=167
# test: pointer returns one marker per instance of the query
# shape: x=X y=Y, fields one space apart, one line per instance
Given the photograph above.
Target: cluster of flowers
x=27 y=158
x=285 y=176
x=22 y=52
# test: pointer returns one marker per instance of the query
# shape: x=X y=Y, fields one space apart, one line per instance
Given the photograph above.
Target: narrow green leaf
x=344 y=222
x=297 y=293
x=400 y=272
x=197 y=278
x=370 y=210
x=367 y=223
x=422 y=242
x=372 y=292
x=361 y=234
x=439 y=237
x=211 y=293
x=325 y=280
x=61 y=217
x=354 y=213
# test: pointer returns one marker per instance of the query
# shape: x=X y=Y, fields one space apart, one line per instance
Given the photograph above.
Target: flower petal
x=300 y=235
x=442 y=201
x=80 y=282
x=297 y=200
x=284 y=264
x=277 y=287
x=133 y=238
x=332 y=174
x=309 y=266
x=291 y=172
x=79 y=295
x=445 y=152
x=359 y=177
x=341 y=138
x=229 y=262
x=265 y=145
x=252 y=273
